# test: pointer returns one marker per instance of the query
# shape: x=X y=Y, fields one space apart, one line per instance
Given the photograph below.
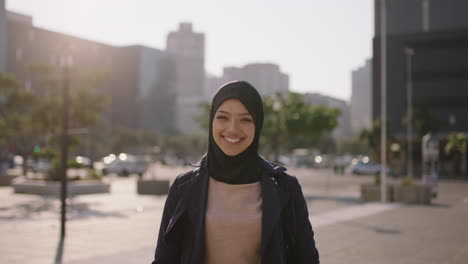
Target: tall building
x=343 y=129
x=142 y=94
x=427 y=44
x=266 y=77
x=3 y=35
x=361 y=98
x=188 y=50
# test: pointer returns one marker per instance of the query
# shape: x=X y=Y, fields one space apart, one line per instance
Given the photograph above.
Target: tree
x=32 y=119
x=457 y=147
x=423 y=120
x=18 y=126
x=296 y=122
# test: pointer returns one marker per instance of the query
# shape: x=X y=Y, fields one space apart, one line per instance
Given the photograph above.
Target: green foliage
x=47 y=153
x=204 y=118
x=297 y=123
x=377 y=179
x=371 y=137
x=28 y=119
x=407 y=181
x=94 y=175
x=423 y=120
x=125 y=139
x=457 y=142
x=190 y=146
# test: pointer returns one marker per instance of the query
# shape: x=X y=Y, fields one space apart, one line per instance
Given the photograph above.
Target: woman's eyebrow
x=224 y=112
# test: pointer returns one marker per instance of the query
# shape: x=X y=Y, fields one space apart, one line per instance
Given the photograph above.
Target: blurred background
x=135 y=79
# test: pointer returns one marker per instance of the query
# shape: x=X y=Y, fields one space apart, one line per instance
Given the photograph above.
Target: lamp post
x=277 y=104
x=65 y=63
x=383 y=100
x=409 y=90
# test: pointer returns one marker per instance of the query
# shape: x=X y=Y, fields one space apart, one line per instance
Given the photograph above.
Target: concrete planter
x=52 y=188
x=5 y=180
x=154 y=187
x=371 y=192
x=413 y=194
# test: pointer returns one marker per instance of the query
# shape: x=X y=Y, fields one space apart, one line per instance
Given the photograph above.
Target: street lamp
x=383 y=100
x=409 y=89
x=277 y=104
x=65 y=63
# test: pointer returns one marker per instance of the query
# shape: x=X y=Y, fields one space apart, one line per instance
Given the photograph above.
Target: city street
x=122 y=227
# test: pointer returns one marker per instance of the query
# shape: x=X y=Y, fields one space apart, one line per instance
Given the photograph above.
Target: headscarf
x=245 y=167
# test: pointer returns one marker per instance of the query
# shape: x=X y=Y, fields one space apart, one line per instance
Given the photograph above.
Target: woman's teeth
x=232 y=140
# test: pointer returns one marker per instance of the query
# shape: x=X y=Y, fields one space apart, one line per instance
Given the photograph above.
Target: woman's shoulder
x=280 y=173
x=185 y=177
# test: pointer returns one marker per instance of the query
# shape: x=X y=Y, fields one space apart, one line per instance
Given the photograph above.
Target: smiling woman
x=236 y=207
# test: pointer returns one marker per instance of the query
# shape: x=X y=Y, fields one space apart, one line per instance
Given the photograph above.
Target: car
x=368 y=168
x=41 y=165
x=124 y=167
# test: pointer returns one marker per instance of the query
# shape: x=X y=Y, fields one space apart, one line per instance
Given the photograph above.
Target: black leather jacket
x=287 y=235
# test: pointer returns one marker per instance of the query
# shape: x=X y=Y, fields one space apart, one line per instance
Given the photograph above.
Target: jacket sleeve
x=303 y=249
x=168 y=253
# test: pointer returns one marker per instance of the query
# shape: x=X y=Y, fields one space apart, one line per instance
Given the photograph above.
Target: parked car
x=41 y=165
x=369 y=168
x=126 y=167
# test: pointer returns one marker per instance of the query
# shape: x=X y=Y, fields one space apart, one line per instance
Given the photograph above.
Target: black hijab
x=246 y=167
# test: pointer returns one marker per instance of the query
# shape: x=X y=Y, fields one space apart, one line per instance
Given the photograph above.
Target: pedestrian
x=235 y=207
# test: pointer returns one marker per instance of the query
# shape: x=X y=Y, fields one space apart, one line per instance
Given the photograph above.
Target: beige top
x=233 y=223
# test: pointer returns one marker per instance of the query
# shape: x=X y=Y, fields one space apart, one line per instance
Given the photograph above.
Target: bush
x=95 y=175
x=407 y=181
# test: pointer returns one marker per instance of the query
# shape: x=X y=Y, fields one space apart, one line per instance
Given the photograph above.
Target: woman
x=235 y=207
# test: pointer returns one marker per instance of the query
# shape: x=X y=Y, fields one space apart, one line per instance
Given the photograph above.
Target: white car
x=369 y=168
x=126 y=167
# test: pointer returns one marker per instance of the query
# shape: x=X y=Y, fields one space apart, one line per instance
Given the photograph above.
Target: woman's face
x=233 y=127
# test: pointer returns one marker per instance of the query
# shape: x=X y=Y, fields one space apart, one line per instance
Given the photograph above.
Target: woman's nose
x=233 y=126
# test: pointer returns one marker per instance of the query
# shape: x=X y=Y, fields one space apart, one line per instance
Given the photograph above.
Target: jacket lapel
x=195 y=202
x=274 y=200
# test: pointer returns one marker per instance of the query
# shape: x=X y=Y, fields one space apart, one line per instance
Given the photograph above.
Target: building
x=143 y=94
x=212 y=84
x=427 y=48
x=140 y=79
x=188 y=50
x=3 y=35
x=361 y=98
x=266 y=77
x=342 y=131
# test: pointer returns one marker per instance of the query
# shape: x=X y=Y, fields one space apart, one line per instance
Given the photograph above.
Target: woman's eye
x=246 y=120
x=221 y=117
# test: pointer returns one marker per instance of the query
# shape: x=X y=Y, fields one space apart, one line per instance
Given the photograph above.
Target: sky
x=316 y=42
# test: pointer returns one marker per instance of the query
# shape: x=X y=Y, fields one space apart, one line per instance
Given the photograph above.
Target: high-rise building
x=427 y=49
x=266 y=77
x=361 y=98
x=188 y=50
x=3 y=36
x=142 y=94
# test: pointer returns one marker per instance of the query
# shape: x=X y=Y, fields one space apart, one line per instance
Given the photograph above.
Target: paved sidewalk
x=122 y=227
